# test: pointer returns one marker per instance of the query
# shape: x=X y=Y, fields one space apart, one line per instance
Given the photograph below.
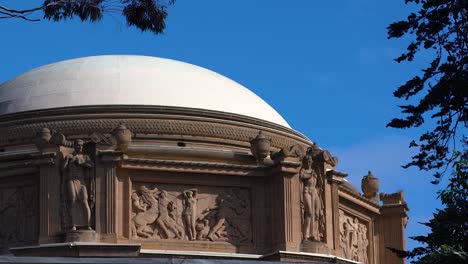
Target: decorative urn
x=370 y=186
x=123 y=136
x=42 y=139
x=260 y=147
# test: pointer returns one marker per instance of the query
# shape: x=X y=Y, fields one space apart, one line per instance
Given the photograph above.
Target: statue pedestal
x=80 y=236
x=315 y=247
x=79 y=249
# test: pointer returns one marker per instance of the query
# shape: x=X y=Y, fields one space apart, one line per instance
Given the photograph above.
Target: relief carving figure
x=353 y=238
x=190 y=212
x=362 y=244
x=230 y=218
x=17 y=214
x=76 y=171
x=203 y=228
x=239 y=202
x=312 y=202
x=166 y=220
x=146 y=207
x=219 y=214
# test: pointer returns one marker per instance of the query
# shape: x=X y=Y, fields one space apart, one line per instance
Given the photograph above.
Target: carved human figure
x=190 y=212
x=239 y=208
x=76 y=168
x=362 y=244
x=311 y=199
x=354 y=236
x=165 y=221
x=202 y=228
x=146 y=206
x=344 y=239
x=221 y=212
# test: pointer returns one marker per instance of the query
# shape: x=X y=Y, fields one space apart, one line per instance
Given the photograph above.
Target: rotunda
x=134 y=156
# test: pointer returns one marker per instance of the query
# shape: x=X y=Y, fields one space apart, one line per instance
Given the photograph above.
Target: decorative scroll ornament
x=102 y=139
x=354 y=240
x=59 y=139
x=294 y=151
x=119 y=138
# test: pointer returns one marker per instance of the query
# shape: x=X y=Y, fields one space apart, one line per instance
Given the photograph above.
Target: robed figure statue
x=76 y=169
x=311 y=199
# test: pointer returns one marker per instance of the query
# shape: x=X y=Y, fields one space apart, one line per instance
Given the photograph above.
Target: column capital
x=110 y=156
x=46 y=158
x=336 y=177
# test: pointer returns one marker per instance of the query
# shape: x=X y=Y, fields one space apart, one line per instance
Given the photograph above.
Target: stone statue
x=190 y=212
x=313 y=206
x=76 y=169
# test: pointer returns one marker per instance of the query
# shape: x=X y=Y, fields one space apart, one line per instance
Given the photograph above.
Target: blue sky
x=325 y=66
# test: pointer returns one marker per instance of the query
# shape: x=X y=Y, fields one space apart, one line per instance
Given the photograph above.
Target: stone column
x=335 y=179
x=49 y=196
x=392 y=225
x=286 y=211
x=106 y=181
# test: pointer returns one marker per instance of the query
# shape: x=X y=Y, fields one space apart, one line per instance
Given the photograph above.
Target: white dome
x=130 y=80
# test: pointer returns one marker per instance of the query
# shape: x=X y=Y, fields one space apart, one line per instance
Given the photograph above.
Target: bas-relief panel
x=189 y=212
x=354 y=238
x=18 y=214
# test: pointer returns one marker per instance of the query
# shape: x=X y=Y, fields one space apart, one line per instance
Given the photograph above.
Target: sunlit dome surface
x=130 y=80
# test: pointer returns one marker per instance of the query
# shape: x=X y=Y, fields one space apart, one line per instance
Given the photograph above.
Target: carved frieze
x=18 y=214
x=187 y=212
x=354 y=238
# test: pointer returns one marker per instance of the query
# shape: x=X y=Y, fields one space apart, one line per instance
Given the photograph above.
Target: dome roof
x=130 y=80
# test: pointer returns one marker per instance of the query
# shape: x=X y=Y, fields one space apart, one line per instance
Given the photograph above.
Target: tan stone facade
x=189 y=180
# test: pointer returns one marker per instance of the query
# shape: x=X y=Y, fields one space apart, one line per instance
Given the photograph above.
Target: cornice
x=194 y=166
x=349 y=195
x=20 y=128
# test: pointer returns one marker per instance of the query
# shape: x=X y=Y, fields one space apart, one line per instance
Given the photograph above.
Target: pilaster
x=49 y=196
x=334 y=181
x=392 y=225
x=106 y=193
x=286 y=205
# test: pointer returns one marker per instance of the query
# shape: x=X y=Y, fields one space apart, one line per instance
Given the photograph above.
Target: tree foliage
x=448 y=240
x=441 y=91
x=146 y=15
